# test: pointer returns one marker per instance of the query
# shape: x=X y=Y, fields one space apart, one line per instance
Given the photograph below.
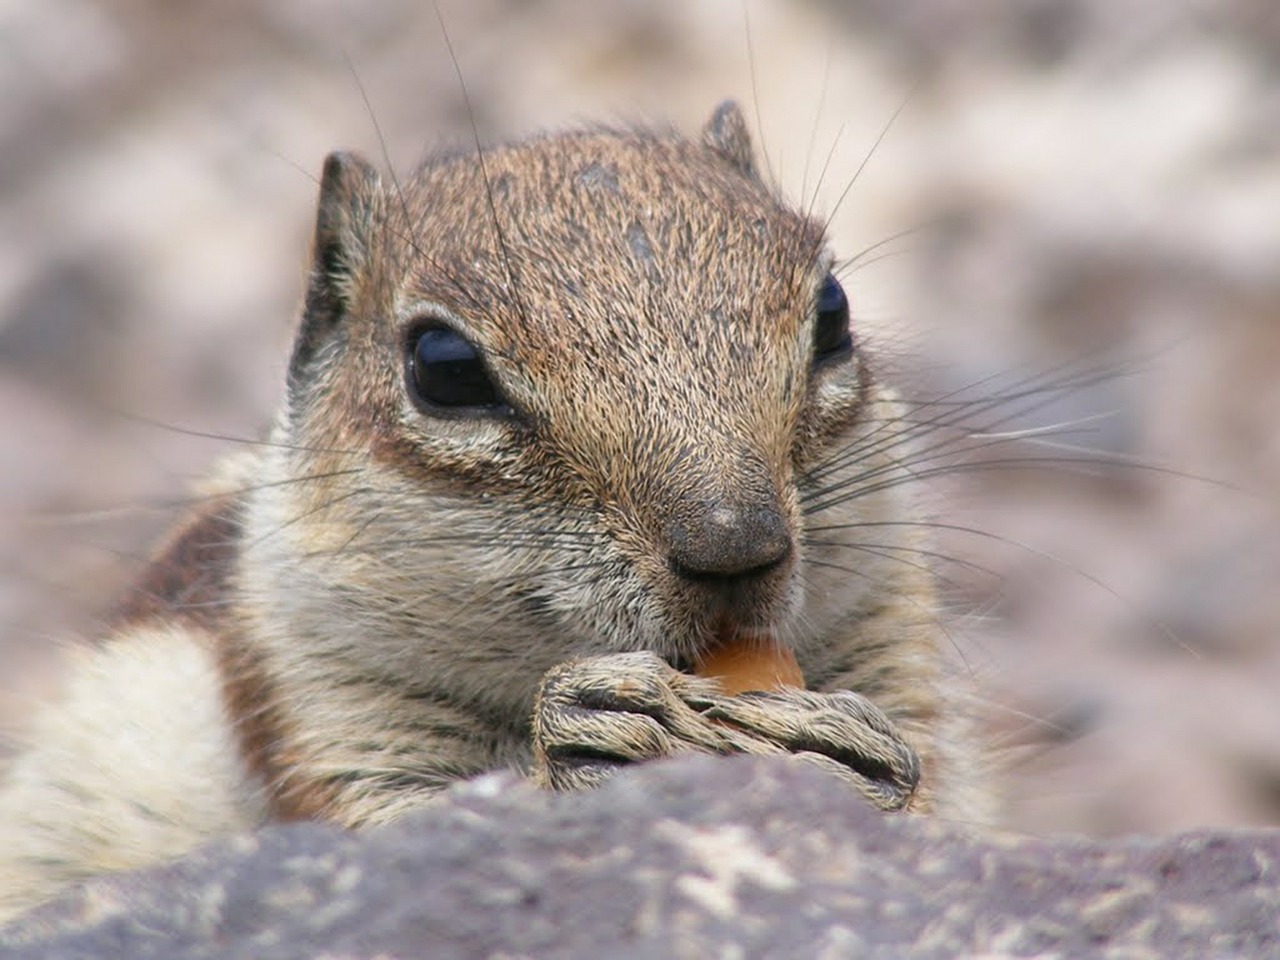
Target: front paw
x=595 y=715
x=842 y=732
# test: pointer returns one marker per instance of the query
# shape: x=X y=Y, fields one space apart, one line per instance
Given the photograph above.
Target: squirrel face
x=568 y=391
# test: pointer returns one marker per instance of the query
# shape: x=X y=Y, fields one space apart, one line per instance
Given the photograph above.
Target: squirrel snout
x=720 y=540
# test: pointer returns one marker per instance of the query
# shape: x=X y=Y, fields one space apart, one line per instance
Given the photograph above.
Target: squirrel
x=561 y=416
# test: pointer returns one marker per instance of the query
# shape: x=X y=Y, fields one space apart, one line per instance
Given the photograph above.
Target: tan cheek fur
x=136 y=764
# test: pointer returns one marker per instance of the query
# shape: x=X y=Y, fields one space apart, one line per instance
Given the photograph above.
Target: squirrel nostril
x=682 y=569
x=723 y=542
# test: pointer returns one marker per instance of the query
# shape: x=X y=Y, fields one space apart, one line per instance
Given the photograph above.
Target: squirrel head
x=568 y=391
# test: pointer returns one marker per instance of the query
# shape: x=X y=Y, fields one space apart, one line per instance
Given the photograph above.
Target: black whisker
x=807 y=200
x=499 y=234
x=931 y=614
x=1165 y=630
x=884 y=132
x=889 y=549
x=755 y=92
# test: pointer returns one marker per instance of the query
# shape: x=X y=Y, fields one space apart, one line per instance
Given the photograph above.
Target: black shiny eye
x=831 y=335
x=445 y=370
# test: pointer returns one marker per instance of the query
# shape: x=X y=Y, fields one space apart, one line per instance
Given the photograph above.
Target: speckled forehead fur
x=609 y=273
x=662 y=235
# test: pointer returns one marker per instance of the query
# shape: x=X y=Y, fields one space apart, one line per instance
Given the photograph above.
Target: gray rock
x=690 y=858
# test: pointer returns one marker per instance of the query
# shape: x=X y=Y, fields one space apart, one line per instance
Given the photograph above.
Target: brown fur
x=190 y=575
x=394 y=587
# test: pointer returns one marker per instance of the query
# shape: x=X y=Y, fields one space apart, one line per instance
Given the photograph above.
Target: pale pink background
x=1103 y=180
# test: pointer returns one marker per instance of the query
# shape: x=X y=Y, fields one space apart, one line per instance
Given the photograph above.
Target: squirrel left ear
x=349 y=203
x=726 y=133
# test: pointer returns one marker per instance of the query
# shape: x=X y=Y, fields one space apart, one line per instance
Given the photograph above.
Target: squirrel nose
x=721 y=540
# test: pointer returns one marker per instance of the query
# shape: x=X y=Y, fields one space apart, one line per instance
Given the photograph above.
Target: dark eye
x=831 y=336
x=445 y=370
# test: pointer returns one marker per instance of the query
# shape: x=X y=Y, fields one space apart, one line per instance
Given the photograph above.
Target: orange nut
x=759 y=664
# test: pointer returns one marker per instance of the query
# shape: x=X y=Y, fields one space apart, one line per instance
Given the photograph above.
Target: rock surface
x=693 y=858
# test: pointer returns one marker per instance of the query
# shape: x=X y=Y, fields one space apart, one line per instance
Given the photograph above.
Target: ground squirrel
x=561 y=416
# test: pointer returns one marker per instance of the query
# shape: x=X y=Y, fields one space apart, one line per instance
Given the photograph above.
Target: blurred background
x=1075 y=187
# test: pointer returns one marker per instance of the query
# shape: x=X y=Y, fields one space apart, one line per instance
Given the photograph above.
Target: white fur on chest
x=136 y=764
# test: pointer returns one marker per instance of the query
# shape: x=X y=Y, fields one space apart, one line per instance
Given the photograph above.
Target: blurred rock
x=698 y=858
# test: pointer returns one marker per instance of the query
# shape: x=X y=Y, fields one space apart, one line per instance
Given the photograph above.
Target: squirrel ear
x=726 y=133
x=350 y=195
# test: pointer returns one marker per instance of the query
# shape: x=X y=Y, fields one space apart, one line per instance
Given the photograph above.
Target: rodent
x=561 y=416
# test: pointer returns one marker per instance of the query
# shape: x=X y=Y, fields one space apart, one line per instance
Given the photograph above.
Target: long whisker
x=499 y=234
x=888 y=551
x=873 y=445
x=755 y=91
x=931 y=613
x=172 y=504
x=1165 y=630
x=884 y=132
x=952 y=411
x=807 y=200
x=857 y=487
x=267 y=442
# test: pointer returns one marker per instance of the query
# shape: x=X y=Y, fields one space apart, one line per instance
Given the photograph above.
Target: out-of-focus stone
x=690 y=858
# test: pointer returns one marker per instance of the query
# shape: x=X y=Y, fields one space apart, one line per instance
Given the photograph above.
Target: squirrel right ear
x=350 y=196
x=726 y=133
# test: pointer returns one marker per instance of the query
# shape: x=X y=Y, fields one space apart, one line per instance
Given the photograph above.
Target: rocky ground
x=688 y=859
x=1092 y=187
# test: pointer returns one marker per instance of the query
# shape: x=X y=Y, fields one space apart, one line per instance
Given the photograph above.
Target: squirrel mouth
x=744 y=659
x=711 y=638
